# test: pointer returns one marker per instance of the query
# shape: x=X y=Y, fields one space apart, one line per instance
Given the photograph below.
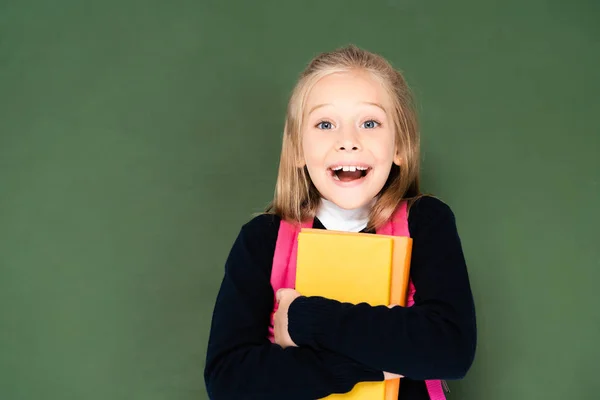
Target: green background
x=136 y=137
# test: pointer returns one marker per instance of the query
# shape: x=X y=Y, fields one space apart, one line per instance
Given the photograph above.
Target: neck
x=336 y=218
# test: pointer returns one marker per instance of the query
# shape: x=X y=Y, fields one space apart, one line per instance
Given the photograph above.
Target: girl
x=350 y=158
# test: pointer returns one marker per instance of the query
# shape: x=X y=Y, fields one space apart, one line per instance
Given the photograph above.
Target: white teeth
x=336 y=177
x=350 y=168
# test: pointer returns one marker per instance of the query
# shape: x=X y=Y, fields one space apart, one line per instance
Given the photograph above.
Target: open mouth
x=349 y=173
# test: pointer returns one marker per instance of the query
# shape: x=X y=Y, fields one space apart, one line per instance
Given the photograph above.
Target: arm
x=434 y=339
x=241 y=361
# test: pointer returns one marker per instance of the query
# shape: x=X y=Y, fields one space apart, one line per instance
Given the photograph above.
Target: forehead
x=350 y=87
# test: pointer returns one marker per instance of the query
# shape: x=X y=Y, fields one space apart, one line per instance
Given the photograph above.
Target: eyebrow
x=364 y=102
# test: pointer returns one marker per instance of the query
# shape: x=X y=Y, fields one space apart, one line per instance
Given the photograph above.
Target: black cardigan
x=342 y=344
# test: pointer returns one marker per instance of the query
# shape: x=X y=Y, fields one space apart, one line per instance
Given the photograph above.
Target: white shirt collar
x=336 y=218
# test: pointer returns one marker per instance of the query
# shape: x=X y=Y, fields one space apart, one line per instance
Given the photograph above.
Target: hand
x=389 y=376
x=284 y=297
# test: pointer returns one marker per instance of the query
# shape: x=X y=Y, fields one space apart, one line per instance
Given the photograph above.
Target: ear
x=397 y=159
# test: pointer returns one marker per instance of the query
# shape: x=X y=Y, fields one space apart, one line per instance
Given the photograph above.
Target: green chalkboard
x=137 y=137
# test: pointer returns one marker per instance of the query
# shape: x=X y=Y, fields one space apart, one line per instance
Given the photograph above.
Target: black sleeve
x=434 y=339
x=241 y=361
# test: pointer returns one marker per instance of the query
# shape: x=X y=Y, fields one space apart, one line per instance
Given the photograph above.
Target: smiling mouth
x=348 y=173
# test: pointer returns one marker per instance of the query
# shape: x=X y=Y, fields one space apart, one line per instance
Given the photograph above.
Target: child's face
x=348 y=138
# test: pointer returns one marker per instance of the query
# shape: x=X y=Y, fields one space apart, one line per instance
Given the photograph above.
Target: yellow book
x=355 y=268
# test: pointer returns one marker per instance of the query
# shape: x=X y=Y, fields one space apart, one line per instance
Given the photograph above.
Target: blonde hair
x=296 y=198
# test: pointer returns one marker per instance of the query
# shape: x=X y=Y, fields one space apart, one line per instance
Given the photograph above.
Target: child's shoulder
x=262 y=227
x=256 y=242
x=262 y=222
x=427 y=209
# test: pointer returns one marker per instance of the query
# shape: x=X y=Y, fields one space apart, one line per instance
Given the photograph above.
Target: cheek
x=384 y=150
x=390 y=146
x=313 y=148
x=307 y=149
x=309 y=153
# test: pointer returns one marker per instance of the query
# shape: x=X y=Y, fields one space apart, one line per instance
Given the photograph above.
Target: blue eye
x=370 y=124
x=324 y=125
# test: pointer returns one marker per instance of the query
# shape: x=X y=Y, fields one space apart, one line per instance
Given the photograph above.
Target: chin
x=349 y=203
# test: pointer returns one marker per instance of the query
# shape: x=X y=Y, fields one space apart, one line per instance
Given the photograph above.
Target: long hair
x=296 y=198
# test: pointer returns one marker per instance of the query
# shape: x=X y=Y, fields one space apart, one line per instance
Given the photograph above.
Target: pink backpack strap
x=283 y=273
x=397 y=225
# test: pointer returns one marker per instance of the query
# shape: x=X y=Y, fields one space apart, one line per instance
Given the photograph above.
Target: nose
x=348 y=141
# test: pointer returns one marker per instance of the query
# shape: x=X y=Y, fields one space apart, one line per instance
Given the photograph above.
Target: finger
x=279 y=294
x=389 y=376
